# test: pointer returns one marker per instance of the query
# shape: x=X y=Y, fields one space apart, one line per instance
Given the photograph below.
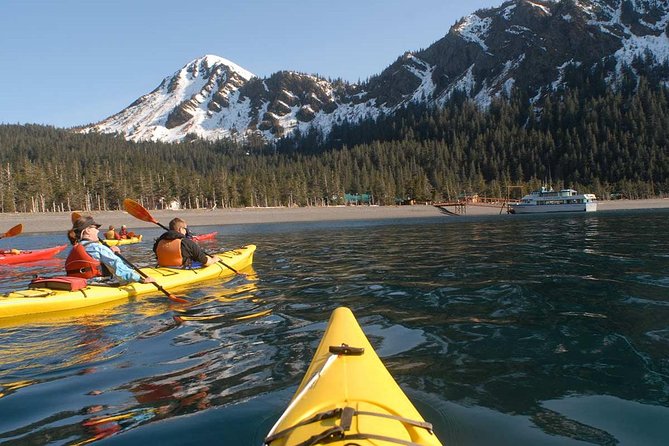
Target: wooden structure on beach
x=460 y=207
x=452 y=207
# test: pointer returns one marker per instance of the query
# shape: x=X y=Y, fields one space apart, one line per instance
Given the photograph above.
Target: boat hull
x=207 y=236
x=30 y=256
x=358 y=386
x=123 y=241
x=549 y=208
x=43 y=300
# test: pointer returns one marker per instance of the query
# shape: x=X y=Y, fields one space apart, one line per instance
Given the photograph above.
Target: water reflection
x=96 y=357
x=502 y=331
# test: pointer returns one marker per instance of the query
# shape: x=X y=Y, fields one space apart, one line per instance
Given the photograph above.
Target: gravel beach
x=60 y=221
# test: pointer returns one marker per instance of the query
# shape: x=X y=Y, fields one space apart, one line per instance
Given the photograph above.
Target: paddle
x=138 y=211
x=16 y=230
x=169 y=295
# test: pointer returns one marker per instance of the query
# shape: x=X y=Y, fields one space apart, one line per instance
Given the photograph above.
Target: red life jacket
x=168 y=253
x=79 y=263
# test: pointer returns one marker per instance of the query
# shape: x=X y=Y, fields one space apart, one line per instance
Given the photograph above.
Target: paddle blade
x=16 y=230
x=75 y=216
x=177 y=299
x=138 y=211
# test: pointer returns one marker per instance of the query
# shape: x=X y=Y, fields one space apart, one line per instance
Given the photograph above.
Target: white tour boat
x=547 y=200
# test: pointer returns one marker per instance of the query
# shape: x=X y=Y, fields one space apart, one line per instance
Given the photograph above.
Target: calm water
x=545 y=330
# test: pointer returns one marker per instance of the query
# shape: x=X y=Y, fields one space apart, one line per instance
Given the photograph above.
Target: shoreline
x=60 y=221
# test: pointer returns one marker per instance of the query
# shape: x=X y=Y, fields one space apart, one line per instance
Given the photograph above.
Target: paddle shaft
x=141 y=273
x=138 y=211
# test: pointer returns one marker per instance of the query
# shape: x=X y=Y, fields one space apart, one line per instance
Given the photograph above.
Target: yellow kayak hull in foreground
x=43 y=300
x=349 y=397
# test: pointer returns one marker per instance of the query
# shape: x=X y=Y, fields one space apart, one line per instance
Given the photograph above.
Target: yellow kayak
x=348 y=397
x=44 y=300
x=123 y=241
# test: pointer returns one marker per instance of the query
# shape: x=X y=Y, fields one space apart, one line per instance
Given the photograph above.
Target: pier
x=459 y=207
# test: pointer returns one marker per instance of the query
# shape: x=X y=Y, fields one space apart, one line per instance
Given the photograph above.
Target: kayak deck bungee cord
x=348 y=397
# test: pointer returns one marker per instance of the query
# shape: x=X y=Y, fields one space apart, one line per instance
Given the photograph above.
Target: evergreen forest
x=591 y=139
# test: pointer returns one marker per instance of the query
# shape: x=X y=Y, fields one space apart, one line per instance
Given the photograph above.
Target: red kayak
x=12 y=256
x=208 y=236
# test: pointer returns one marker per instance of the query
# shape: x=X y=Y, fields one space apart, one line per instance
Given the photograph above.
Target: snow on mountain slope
x=524 y=44
x=201 y=99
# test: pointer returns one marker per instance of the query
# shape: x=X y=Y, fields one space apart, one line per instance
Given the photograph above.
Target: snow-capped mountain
x=521 y=44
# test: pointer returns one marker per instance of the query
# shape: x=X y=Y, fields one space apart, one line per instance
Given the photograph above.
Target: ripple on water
x=638 y=300
x=659 y=335
x=615 y=419
x=395 y=339
x=648 y=279
x=480 y=321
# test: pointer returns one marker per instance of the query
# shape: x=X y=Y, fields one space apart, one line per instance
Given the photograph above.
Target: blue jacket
x=108 y=258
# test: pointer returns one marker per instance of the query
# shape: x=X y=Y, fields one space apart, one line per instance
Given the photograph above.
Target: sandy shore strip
x=59 y=221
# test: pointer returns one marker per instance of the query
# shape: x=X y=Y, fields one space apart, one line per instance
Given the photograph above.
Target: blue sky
x=74 y=62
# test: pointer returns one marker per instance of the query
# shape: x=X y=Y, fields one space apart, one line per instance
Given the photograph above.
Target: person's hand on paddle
x=116 y=249
x=148 y=279
x=211 y=260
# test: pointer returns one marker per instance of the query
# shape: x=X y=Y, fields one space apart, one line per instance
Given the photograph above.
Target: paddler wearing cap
x=91 y=259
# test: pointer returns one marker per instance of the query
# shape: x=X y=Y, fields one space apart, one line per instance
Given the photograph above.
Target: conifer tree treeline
x=609 y=142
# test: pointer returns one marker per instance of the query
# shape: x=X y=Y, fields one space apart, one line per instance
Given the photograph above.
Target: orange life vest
x=79 y=263
x=168 y=253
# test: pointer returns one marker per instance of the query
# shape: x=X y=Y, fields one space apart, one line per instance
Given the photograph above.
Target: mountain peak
x=526 y=45
x=212 y=61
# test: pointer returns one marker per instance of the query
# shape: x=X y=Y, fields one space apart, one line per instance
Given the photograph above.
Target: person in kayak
x=111 y=234
x=91 y=259
x=123 y=233
x=174 y=249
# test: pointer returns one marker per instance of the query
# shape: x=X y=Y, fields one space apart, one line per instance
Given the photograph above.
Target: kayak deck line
x=38 y=293
x=271 y=437
x=345 y=415
x=347 y=396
